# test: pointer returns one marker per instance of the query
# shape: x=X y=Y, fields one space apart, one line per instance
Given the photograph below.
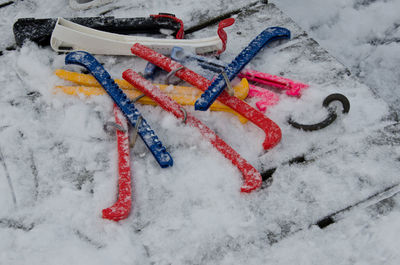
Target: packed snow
x=58 y=166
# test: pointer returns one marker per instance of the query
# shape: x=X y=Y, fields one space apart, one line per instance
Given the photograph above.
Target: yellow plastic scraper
x=89 y=86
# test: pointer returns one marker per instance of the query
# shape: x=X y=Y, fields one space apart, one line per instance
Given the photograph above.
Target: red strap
x=120 y=210
x=222 y=34
x=271 y=129
x=181 y=33
x=252 y=178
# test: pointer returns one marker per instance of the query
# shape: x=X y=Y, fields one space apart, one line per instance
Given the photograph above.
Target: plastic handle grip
x=252 y=178
x=271 y=129
x=122 y=207
x=151 y=140
x=234 y=68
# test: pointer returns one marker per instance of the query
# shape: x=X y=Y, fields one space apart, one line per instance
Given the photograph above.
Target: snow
x=63 y=169
x=362 y=34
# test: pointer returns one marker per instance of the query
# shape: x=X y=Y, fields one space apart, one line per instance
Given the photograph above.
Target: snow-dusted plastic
x=267 y=98
x=122 y=207
x=83 y=5
x=241 y=89
x=183 y=95
x=252 y=178
x=292 y=88
x=68 y=36
x=234 y=68
x=272 y=131
x=39 y=30
x=127 y=107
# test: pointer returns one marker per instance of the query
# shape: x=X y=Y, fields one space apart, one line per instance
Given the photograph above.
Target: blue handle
x=127 y=107
x=150 y=71
x=234 y=68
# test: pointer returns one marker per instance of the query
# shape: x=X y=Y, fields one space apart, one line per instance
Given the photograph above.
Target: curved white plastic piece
x=82 y=5
x=68 y=36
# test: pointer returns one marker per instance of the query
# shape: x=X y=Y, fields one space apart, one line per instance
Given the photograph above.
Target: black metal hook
x=331 y=116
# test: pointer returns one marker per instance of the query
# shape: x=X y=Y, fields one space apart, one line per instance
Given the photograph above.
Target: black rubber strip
x=6 y=4
x=215 y=20
x=327 y=221
x=267 y=174
x=333 y=217
x=40 y=30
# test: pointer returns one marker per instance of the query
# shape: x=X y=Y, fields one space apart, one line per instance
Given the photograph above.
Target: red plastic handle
x=121 y=209
x=272 y=131
x=252 y=178
x=222 y=34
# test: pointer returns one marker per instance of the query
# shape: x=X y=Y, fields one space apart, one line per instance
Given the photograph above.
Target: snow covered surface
x=362 y=34
x=62 y=165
